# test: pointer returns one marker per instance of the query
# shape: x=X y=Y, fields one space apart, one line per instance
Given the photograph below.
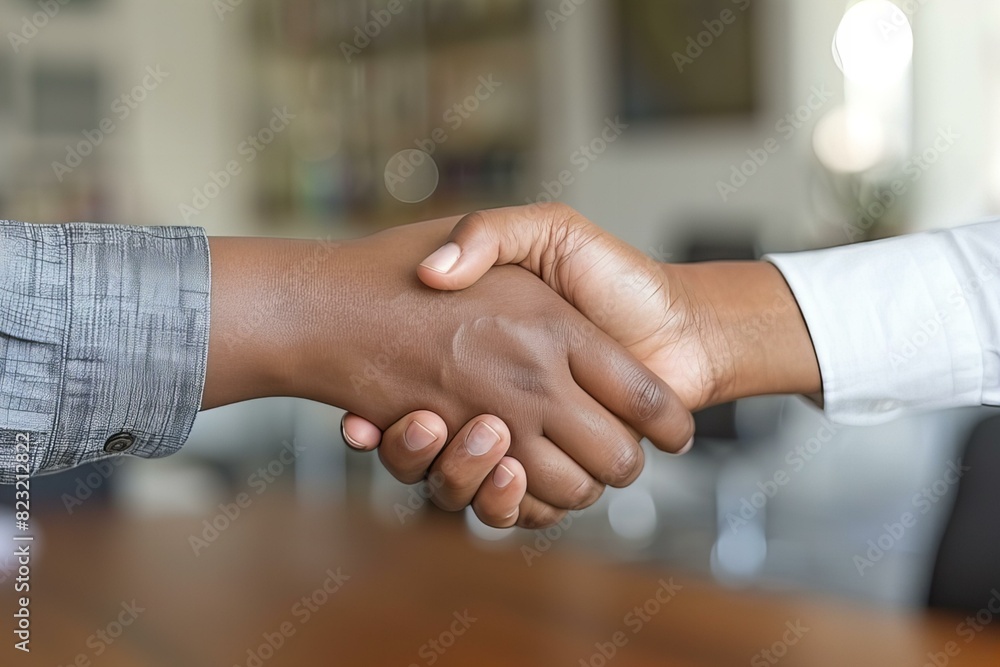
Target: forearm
x=311 y=319
x=751 y=321
x=266 y=296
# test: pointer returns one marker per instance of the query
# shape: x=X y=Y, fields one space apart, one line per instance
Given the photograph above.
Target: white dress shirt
x=904 y=323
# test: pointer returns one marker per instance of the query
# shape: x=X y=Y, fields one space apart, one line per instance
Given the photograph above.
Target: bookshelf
x=369 y=80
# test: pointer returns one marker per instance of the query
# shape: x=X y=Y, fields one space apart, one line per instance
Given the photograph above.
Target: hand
x=630 y=296
x=716 y=331
x=362 y=333
x=496 y=490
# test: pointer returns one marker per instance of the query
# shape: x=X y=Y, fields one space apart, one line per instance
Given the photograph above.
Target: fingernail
x=503 y=476
x=417 y=436
x=481 y=439
x=686 y=448
x=351 y=442
x=442 y=259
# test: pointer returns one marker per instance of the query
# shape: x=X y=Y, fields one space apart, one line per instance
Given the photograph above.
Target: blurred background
x=693 y=129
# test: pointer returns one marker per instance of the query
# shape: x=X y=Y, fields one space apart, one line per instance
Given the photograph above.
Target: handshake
x=526 y=387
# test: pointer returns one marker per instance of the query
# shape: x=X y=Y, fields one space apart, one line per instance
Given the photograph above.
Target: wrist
x=324 y=316
x=349 y=306
x=751 y=328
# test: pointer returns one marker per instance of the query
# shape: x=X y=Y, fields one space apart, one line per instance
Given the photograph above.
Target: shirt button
x=119 y=443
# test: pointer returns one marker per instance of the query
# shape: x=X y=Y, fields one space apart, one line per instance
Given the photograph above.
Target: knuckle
x=557 y=211
x=450 y=482
x=644 y=399
x=400 y=472
x=586 y=493
x=540 y=517
x=626 y=465
x=446 y=499
x=473 y=222
x=444 y=504
x=565 y=333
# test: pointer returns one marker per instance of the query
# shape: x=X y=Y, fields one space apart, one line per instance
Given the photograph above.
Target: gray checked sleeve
x=103 y=341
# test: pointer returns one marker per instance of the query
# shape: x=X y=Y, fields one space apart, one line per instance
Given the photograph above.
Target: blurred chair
x=967 y=567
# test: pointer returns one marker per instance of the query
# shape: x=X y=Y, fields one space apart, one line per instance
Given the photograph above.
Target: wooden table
x=419 y=594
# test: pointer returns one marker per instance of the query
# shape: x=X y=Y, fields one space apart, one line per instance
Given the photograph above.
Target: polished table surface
x=419 y=594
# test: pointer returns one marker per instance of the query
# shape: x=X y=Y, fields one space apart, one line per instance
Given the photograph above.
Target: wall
x=656 y=182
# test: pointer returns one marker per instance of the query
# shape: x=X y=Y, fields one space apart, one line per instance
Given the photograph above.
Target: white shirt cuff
x=893 y=323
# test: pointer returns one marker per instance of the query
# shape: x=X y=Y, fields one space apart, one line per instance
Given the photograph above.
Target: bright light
x=739 y=556
x=632 y=514
x=849 y=142
x=874 y=43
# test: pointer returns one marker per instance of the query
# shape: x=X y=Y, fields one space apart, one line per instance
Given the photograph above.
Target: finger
x=496 y=503
x=686 y=448
x=410 y=445
x=359 y=433
x=554 y=477
x=484 y=239
x=534 y=514
x=467 y=461
x=595 y=439
x=617 y=380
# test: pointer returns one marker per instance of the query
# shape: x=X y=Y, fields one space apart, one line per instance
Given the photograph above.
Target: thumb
x=485 y=239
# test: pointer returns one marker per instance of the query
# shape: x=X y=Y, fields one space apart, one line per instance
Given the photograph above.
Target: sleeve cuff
x=890 y=325
x=136 y=343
